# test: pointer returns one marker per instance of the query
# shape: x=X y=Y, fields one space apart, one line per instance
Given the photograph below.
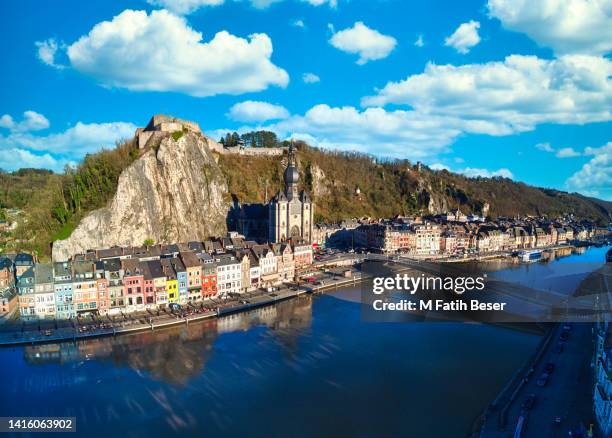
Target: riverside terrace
x=335 y=271
x=124 y=280
x=95 y=325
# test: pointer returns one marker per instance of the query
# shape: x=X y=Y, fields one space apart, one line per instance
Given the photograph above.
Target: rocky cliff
x=174 y=192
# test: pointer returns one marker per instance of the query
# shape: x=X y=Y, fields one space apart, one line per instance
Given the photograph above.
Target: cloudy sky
x=517 y=88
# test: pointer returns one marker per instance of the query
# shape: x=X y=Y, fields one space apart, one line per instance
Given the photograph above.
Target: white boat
x=530 y=256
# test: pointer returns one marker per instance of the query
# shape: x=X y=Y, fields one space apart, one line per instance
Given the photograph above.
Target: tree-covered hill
x=50 y=204
x=345 y=184
x=342 y=185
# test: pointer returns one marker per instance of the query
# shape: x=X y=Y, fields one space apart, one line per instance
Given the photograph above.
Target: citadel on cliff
x=287 y=216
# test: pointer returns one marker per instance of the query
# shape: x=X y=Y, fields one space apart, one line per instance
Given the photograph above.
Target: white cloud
x=546 y=147
x=331 y=3
x=368 y=43
x=473 y=172
x=419 y=41
x=23 y=149
x=160 y=52
x=46 y=52
x=405 y=134
x=6 y=121
x=69 y=145
x=595 y=176
x=256 y=111
x=32 y=121
x=567 y=153
x=510 y=96
x=568 y=26
x=15 y=158
x=409 y=134
x=439 y=166
x=299 y=23
x=465 y=37
x=184 y=7
x=263 y=4
x=310 y=78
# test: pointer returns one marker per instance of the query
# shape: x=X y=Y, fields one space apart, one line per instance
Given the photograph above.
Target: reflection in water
x=284 y=370
x=305 y=367
x=176 y=354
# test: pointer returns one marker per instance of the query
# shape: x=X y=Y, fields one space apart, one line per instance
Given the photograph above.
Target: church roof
x=280 y=196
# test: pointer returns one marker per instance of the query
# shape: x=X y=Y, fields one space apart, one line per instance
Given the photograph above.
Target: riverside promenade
x=21 y=333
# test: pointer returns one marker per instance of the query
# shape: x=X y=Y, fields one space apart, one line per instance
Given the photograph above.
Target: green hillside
x=388 y=188
x=49 y=205
x=343 y=185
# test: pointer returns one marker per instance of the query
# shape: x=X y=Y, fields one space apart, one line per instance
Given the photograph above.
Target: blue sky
x=490 y=87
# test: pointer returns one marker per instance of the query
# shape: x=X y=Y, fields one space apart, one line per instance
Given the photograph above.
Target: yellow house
x=172 y=289
x=171 y=281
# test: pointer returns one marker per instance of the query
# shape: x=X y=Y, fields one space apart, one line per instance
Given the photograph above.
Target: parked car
x=529 y=402
x=543 y=380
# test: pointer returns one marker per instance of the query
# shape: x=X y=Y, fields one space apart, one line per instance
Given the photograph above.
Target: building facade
x=291 y=210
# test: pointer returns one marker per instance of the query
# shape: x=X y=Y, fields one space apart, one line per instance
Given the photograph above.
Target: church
x=290 y=212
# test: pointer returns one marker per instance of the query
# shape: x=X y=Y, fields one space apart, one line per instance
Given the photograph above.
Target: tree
x=235 y=139
x=148 y=242
x=260 y=139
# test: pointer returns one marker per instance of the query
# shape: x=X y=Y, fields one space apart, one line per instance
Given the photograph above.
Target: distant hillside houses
x=452 y=233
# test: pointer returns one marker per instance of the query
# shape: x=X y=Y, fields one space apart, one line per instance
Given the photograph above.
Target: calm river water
x=304 y=367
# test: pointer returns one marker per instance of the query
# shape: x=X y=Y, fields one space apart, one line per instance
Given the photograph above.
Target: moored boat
x=528 y=256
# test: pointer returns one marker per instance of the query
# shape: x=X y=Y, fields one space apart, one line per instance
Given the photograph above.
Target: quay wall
x=16 y=337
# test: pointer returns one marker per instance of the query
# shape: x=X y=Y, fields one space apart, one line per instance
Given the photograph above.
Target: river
x=303 y=367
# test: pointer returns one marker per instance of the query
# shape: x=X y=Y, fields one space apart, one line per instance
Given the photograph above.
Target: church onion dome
x=291 y=174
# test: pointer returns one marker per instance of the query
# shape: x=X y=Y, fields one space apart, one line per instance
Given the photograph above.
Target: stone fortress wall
x=253 y=152
x=161 y=126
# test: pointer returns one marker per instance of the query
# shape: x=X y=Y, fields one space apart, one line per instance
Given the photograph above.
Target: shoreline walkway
x=46 y=332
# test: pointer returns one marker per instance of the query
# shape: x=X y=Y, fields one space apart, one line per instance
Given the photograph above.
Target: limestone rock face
x=173 y=193
x=319 y=187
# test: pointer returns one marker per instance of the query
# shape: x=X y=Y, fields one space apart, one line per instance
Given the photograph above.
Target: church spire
x=292 y=175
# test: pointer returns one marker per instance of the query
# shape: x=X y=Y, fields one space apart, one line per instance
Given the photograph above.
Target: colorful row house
x=136 y=279
x=133 y=287
x=9 y=299
x=62 y=279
